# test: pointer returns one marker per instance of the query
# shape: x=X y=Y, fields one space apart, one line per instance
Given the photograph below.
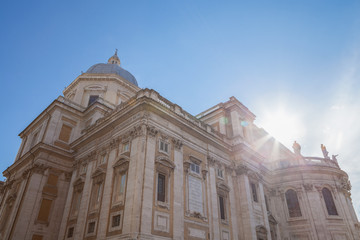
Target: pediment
x=271 y=218
x=122 y=159
x=261 y=229
x=98 y=172
x=165 y=161
x=79 y=181
x=223 y=186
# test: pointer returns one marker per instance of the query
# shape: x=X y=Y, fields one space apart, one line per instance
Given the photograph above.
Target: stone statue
x=324 y=151
x=333 y=157
x=297 y=148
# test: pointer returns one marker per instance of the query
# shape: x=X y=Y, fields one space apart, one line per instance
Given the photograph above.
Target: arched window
x=293 y=203
x=329 y=201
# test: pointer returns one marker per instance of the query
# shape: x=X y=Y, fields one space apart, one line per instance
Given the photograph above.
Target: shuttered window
x=65 y=133
x=44 y=211
x=161 y=188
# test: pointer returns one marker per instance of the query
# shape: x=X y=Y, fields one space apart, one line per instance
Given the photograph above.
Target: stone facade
x=110 y=160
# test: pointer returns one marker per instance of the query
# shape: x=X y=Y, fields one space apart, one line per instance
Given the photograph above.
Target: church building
x=111 y=160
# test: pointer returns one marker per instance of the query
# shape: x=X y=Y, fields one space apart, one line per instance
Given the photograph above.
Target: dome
x=107 y=68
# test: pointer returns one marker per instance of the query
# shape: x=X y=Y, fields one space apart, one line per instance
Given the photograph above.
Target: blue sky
x=295 y=64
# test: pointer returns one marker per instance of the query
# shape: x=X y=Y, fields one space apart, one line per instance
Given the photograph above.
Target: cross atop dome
x=114 y=59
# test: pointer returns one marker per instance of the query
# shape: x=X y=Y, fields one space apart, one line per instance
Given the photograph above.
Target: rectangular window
x=44 y=211
x=102 y=159
x=122 y=184
x=253 y=192
x=126 y=147
x=52 y=179
x=164 y=146
x=116 y=221
x=37 y=237
x=91 y=227
x=92 y=99
x=266 y=203
x=98 y=195
x=220 y=173
x=222 y=207
x=65 y=133
x=70 y=233
x=195 y=168
x=76 y=203
x=161 y=188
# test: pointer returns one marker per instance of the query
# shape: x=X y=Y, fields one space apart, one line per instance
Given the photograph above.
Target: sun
x=284 y=125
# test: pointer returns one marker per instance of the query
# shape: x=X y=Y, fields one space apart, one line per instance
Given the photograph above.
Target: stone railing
x=303 y=161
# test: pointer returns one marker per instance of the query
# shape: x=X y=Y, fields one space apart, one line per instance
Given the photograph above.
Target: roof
x=106 y=68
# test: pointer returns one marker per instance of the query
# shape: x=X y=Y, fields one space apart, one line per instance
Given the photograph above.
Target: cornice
x=34 y=152
x=60 y=102
x=99 y=77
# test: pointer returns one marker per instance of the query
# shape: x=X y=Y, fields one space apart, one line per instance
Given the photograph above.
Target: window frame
x=90 y=101
x=289 y=214
x=254 y=192
x=93 y=233
x=166 y=144
x=220 y=173
x=332 y=201
x=111 y=216
x=164 y=166
x=196 y=167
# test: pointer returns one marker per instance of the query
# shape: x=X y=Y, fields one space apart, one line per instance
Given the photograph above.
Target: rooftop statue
x=297 y=148
x=324 y=151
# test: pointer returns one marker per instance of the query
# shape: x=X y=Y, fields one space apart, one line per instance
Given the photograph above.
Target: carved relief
x=38 y=168
x=308 y=187
x=152 y=131
x=204 y=173
x=345 y=184
x=211 y=161
x=177 y=143
x=241 y=169
x=68 y=176
x=114 y=143
x=137 y=131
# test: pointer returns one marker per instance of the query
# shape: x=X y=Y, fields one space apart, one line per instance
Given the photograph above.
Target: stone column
x=232 y=206
x=67 y=206
x=132 y=211
x=106 y=199
x=84 y=204
x=21 y=223
x=178 y=192
x=147 y=199
x=214 y=204
x=246 y=207
x=264 y=211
